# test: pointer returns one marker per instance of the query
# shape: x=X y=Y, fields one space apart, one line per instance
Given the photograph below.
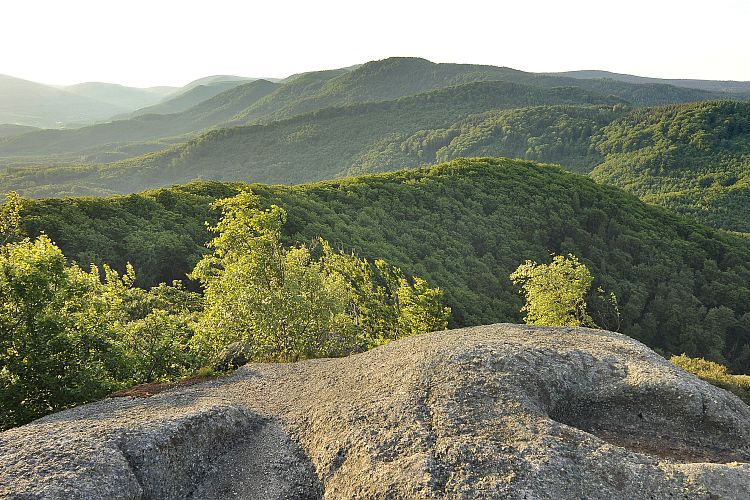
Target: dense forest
x=692 y=158
x=464 y=226
x=69 y=335
x=403 y=113
x=322 y=186
x=318 y=146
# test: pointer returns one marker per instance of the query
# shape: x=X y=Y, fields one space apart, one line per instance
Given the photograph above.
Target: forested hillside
x=692 y=158
x=402 y=76
x=735 y=87
x=403 y=113
x=106 y=136
x=551 y=134
x=317 y=146
x=464 y=226
x=191 y=94
x=375 y=81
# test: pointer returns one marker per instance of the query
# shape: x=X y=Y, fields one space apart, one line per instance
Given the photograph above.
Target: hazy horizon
x=171 y=43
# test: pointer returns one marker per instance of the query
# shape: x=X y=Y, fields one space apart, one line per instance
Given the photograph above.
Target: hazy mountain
x=403 y=112
x=371 y=82
x=188 y=96
x=403 y=76
x=119 y=95
x=9 y=130
x=148 y=127
x=24 y=102
x=315 y=146
x=711 y=85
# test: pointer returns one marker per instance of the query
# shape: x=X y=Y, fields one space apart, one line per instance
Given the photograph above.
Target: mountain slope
x=119 y=95
x=551 y=134
x=28 y=103
x=693 y=158
x=106 y=136
x=7 y=130
x=402 y=76
x=301 y=87
x=710 y=85
x=464 y=226
x=320 y=145
x=185 y=98
x=375 y=81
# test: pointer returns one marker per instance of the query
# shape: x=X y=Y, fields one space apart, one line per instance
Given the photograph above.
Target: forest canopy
x=463 y=226
x=69 y=335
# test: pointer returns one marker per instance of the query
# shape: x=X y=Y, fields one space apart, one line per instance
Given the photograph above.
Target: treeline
x=464 y=226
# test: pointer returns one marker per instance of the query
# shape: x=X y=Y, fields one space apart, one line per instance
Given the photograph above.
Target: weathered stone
x=500 y=411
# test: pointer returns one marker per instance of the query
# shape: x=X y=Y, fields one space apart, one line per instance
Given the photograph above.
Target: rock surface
x=501 y=411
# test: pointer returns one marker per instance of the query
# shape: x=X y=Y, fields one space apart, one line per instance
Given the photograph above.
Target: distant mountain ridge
x=374 y=81
x=119 y=95
x=315 y=146
x=195 y=92
x=404 y=112
x=147 y=127
x=23 y=102
x=731 y=86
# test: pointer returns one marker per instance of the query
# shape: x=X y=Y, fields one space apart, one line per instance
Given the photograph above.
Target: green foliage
x=59 y=345
x=67 y=336
x=158 y=347
x=10 y=218
x=320 y=145
x=382 y=302
x=692 y=158
x=284 y=304
x=462 y=226
x=553 y=134
x=555 y=292
x=161 y=233
x=157 y=326
x=715 y=374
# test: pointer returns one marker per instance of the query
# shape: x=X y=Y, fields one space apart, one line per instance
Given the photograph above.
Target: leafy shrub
x=283 y=303
x=715 y=374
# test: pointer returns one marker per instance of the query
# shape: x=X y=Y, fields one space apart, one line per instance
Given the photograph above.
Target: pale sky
x=169 y=42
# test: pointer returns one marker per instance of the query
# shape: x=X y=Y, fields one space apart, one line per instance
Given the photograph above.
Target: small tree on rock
x=555 y=292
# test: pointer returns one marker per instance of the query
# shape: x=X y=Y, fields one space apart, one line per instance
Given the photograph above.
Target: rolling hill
x=463 y=225
x=7 y=130
x=106 y=137
x=402 y=76
x=692 y=158
x=710 y=85
x=119 y=95
x=375 y=81
x=33 y=104
x=320 y=145
x=402 y=113
x=188 y=96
